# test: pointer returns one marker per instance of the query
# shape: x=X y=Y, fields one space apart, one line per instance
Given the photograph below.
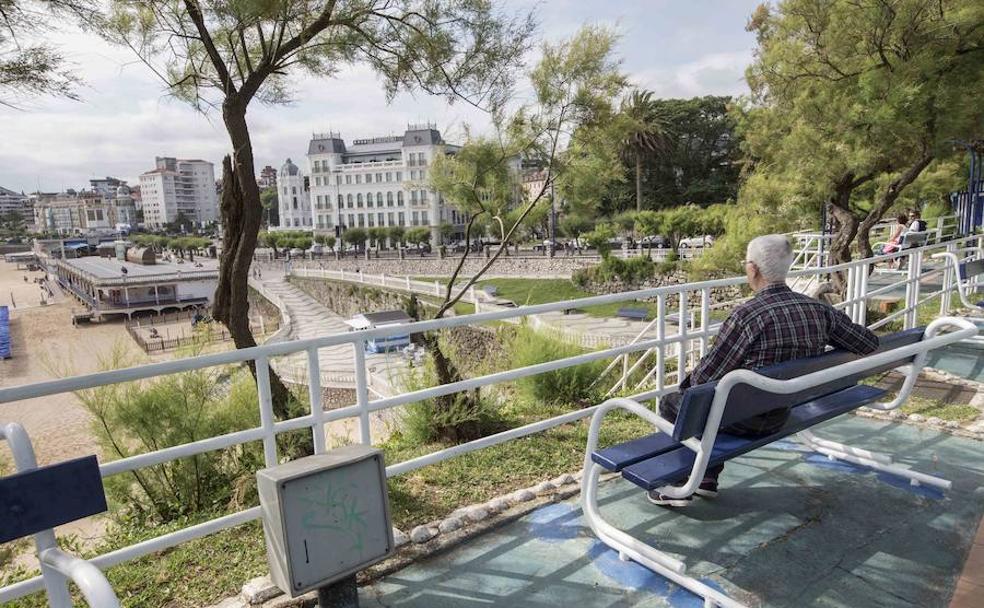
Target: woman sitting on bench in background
x=895 y=241
x=776 y=325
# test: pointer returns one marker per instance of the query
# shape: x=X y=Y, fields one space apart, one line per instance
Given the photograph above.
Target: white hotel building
x=371 y=182
x=179 y=186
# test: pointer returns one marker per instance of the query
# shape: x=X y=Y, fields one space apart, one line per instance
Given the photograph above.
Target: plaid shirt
x=777 y=325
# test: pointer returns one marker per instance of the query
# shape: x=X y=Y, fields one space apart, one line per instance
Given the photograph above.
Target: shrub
x=631 y=271
x=144 y=416
x=568 y=385
x=424 y=422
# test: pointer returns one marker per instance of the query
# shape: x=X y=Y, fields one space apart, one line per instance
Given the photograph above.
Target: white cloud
x=713 y=74
x=125 y=118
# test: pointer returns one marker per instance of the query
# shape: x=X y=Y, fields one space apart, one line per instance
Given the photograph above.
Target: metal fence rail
x=690 y=335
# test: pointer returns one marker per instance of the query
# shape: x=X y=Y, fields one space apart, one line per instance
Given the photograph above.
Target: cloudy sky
x=672 y=47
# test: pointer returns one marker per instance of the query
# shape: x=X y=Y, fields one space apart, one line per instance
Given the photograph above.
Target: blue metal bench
x=35 y=500
x=633 y=313
x=815 y=389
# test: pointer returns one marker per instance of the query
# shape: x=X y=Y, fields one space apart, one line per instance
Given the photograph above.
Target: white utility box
x=325 y=517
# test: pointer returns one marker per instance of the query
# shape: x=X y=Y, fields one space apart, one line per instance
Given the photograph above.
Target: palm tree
x=648 y=133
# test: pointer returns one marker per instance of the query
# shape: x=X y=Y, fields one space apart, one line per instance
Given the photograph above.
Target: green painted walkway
x=790 y=529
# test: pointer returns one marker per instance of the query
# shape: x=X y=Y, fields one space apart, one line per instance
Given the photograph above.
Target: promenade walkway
x=310 y=319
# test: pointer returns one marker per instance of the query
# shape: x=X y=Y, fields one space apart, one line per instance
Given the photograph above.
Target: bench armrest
x=90 y=579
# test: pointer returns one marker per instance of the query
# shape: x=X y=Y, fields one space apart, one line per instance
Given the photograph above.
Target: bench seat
x=633 y=313
x=672 y=464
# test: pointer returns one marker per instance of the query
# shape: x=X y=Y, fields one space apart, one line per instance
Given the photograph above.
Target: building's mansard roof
x=289 y=169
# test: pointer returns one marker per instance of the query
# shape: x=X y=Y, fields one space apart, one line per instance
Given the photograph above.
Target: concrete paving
x=310 y=319
x=790 y=529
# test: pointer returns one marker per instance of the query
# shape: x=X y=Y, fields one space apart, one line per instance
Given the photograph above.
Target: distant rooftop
x=111 y=268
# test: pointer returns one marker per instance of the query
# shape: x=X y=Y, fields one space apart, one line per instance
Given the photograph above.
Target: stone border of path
x=974 y=431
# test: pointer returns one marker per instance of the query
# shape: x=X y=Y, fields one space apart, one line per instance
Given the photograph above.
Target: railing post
x=948 y=284
x=912 y=290
x=361 y=278
x=437 y=288
x=849 y=293
x=705 y=312
x=266 y=411
x=341 y=274
x=660 y=335
x=683 y=346
x=408 y=283
x=863 y=295
x=362 y=391
x=314 y=396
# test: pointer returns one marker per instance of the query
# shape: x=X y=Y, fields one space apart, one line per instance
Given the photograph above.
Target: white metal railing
x=694 y=310
x=686 y=335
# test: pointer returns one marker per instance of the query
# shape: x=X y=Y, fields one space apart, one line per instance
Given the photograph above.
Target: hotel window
x=341 y=201
x=348 y=179
x=381 y=216
x=399 y=176
x=379 y=177
x=349 y=201
x=414 y=217
x=424 y=218
x=293 y=189
x=371 y=219
x=338 y=180
x=399 y=198
x=358 y=200
x=295 y=202
x=413 y=197
x=351 y=220
x=379 y=199
x=369 y=199
x=389 y=216
x=389 y=176
x=389 y=199
x=402 y=220
x=362 y=220
x=368 y=178
x=358 y=178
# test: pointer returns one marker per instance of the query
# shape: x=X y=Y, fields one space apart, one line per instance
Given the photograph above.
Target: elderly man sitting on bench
x=776 y=325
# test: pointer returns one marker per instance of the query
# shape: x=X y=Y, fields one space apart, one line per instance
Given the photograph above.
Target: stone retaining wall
x=346 y=299
x=525 y=266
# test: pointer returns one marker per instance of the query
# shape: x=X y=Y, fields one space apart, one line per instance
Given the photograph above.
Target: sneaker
x=708 y=488
x=665 y=501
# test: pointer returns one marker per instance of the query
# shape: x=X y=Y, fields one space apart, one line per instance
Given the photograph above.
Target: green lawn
x=544 y=291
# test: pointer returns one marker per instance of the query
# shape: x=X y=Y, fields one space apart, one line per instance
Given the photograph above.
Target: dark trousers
x=669 y=408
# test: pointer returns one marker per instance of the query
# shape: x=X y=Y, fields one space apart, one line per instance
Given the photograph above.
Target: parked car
x=297 y=252
x=656 y=241
x=697 y=241
x=316 y=249
x=545 y=245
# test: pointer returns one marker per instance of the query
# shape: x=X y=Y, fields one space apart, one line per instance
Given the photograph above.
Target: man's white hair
x=772 y=254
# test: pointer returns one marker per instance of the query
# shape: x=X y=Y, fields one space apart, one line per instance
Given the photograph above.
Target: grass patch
x=204 y=571
x=940 y=408
x=529 y=292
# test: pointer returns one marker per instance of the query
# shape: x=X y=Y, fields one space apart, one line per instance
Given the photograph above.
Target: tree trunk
x=886 y=199
x=638 y=184
x=845 y=226
x=241 y=214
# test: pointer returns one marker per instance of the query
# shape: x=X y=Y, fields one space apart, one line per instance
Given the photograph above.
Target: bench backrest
x=42 y=498
x=746 y=401
x=971 y=269
x=914 y=239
